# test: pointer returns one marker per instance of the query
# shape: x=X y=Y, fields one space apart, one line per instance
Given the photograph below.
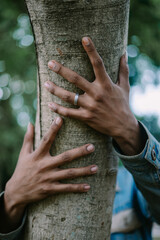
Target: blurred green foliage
x=145 y=23
x=18 y=71
x=17 y=82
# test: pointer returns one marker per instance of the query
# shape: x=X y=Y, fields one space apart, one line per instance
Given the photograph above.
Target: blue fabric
x=124 y=197
x=129 y=197
x=136 y=235
x=143 y=192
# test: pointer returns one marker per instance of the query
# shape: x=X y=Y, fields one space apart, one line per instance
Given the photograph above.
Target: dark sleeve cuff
x=14 y=235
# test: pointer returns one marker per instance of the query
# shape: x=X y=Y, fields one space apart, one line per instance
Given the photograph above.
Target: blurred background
x=18 y=74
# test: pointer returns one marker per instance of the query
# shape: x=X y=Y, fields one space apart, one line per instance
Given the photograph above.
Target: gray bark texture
x=59 y=26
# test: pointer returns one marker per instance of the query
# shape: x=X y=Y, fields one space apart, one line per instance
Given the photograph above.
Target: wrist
x=11 y=212
x=132 y=139
x=12 y=202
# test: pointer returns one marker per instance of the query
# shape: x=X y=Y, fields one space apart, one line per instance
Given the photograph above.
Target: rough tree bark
x=59 y=26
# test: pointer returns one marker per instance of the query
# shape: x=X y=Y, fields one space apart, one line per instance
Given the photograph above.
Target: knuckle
x=65 y=113
x=59 y=68
x=66 y=97
x=66 y=157
x=54 y=128
x=70 y=173
x=97 y=62
x=75 y=78
x=52 y=88
x=83 y=150
x=69 y=187
x=108 y=87
x=45 y=189
x=92 y=107
x=87 y=116
x=79 y=188
x=98 y=97
x=90 y=48
x=46 y=140
x=88 y=170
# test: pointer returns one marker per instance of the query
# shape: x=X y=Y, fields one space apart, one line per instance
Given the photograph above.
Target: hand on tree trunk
x=37 y=176
x=104 y=105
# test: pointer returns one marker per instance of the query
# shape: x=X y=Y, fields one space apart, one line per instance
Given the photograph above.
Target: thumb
x=28 y=139
x=123 y=79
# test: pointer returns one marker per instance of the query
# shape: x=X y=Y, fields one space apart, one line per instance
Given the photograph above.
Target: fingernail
x=47 y=84
x=86 y=187
x=86 y=41
x=52 y=65
x=90 y=148
x=52 y=106
x=58 y=120
x=94 y=169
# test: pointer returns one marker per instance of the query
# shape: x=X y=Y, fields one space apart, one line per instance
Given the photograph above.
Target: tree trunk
x=59 y=26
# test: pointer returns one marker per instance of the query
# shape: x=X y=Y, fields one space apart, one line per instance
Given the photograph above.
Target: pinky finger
x=66 y=188
x=64 y=111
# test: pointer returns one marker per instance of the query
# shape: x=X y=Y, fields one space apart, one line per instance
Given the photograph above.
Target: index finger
x=96 y=60
x=49 y=137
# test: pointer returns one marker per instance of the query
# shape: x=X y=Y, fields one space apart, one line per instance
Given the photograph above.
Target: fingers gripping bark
x=36 y=175
x=70 y=75
x=63 y=94
x=96 y=61
x=73 y=173
x=66 y=188
x=66 y=112
x=54 y=174
x=70 y=155
x=97 y=109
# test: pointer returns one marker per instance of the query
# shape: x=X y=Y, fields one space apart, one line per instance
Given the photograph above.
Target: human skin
x=37 y=176
x=104 y=105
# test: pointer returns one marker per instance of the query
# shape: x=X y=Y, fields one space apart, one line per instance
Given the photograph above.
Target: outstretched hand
x=104 y=105
x=37 y=175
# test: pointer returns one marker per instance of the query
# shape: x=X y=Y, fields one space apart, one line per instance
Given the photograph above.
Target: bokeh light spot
x=17 y=86
x=23 y=20
x=23 y=119
x=16 y=102
x=132 y=51
x=30 y=86
x=18 y=34
x=6 y=93
x=26 y=41
x=1 y=93
x=4 y=80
